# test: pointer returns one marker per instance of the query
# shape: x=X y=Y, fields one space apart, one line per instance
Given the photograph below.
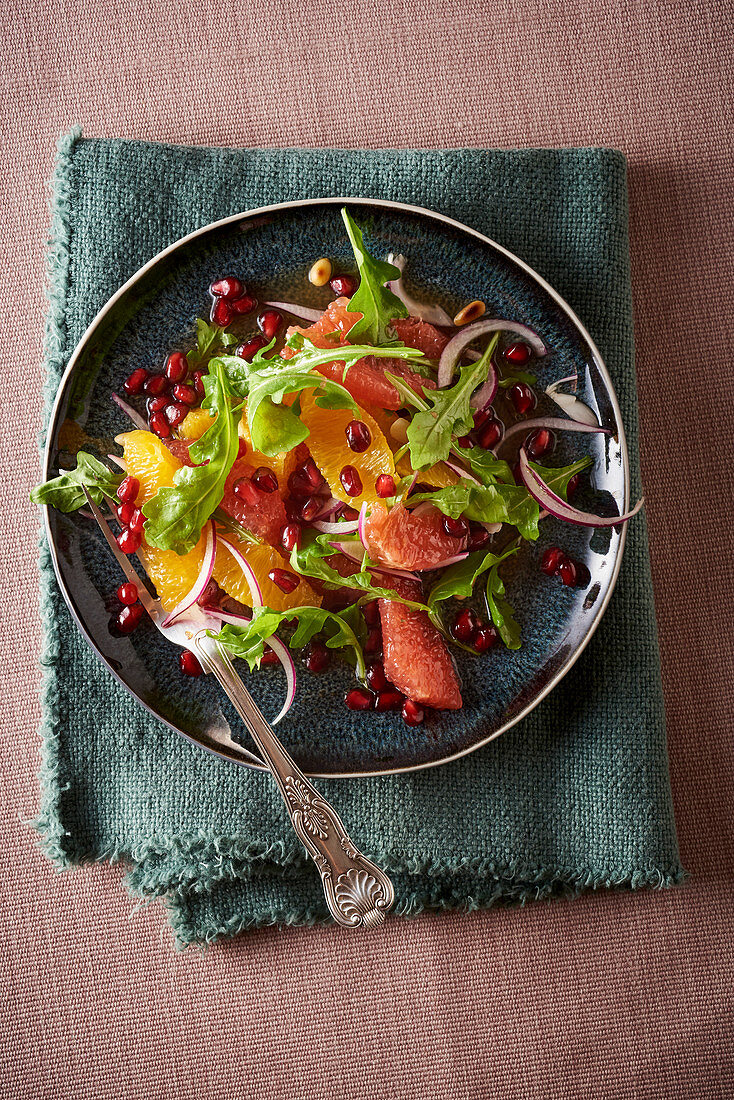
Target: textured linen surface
x=615 y=994
x=576 y=795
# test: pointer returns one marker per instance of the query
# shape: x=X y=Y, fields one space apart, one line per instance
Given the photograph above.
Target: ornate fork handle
x=358 y=893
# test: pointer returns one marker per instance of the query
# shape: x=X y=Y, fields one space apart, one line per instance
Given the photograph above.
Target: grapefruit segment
x=415 y=333
x=264 y=515
x=409 y=540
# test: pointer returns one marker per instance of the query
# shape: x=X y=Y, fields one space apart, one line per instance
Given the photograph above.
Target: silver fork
x=358 y=893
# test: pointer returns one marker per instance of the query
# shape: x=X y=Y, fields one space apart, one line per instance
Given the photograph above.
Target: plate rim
x=383 y=204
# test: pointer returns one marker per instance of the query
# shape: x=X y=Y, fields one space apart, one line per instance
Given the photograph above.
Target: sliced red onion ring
x=454 y=348
x=329 y=507
x=455 y=468
x=361 y=521
x=555 y=422
x=255 y=590
x=305 y=312
x=129 y=411
x=560 y=508
x=435 y=315
x=573 y=407
x=118 y=461
x=279 y=648
x=202 y=579
x=452 y=560
x=486 y=393
x=346 y=527
x=353 y=551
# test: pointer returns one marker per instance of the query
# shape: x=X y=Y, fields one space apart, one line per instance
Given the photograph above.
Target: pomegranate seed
x=189 y=664
x=244 y=490
x=343 y=286
x=573 y=486
x=349 y=514
x=316 y=657
x=351 y=481
x=211 y=596
x=127 y=593
x=126 y=512
x=177 y=366
x=129 y=541
x=457 y=528
x=385 y=486
x=265 y=479
x=466 y=441
x=478 y=537
x=290 y=536
x=269 y=322
x=135 y=382
x=519 y=354
x=373 y=645
x=413 y=713
x=249 y=350
x=392 y=699
x=286 y=582
x=583 y=576
x=176 y=413
x=242 y=305
x=269 y=657
x=129 y=618
x=376 y=677
x=156 y=385
x=485 y=638
x=227 y=287
x=550 y=560
x=359 y=699
x=185 y=394
x=311 y=473
x=568 y=573
x=358 y=435
x=128 y=489
x=198 y=380
x=482 y=416
x=136 y=522
x=465 y=625
x=539 y=443
x=371 y=612
x=221 y=313
x=522 y=397
x=310 y=509
x=160 y=425
x=156 y=404
x=490 y=434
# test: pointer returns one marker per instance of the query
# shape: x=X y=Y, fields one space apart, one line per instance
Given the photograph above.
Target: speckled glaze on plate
x=272 y=249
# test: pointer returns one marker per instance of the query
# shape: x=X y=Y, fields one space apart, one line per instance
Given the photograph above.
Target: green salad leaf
x=377 y=304
x=209 y=339
x=248 y=641
x=176 y=514
x=517 y=376
x=66 y=491
x=310 y=560
x=500 y=611
x=558 y=478
x=449 y=413
x=485 y=466
x=459 y=580
x=498 y=503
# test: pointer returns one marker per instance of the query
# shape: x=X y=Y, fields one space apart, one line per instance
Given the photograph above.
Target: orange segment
x=172 y=574
x=328 y=446
x=194 y=424
x=261 y=558
x=148 y=459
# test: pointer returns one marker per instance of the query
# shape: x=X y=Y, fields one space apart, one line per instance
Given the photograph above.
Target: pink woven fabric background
x=614 y=995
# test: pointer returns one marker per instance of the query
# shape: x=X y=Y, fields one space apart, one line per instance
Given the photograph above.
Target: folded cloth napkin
x=575 y=796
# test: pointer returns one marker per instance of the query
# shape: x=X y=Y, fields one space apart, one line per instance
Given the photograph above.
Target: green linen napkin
x=576 y=796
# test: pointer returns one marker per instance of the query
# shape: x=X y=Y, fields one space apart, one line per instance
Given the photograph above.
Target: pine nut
x=470 y=313
x=320 y=273
x=399 y=430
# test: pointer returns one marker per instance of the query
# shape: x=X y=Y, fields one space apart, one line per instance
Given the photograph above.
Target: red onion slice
x=252 y=581
x=560 y=508
x=486 y=393
x=361 y=521
x=202 y=579
x=130 y=411
x=328 y=508
x=118 y=461
x=346 y=527
x=454 y=348
x=304 y=312
x=434 y=314
x=456 y=469
x=574 y=407
x=452 y=560
x=353 y=551
x=279 y=648
x=555 y=422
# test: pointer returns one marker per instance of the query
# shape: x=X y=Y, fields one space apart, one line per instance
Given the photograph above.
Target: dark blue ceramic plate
x=273 y=249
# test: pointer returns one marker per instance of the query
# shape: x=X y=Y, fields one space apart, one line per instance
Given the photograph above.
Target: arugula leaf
x=485 y=466
x=65 y=492
x=459 y=580
x=517 y=376
x=557 y=479
x=208 y=339
x=449 y=414
x=176 y=515
x=501 y=611
x=309 y=561
x=487 y=504
x=248 y=641
x=377 y=304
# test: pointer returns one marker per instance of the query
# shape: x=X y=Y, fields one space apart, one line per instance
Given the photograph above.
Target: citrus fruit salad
x=341 y=480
